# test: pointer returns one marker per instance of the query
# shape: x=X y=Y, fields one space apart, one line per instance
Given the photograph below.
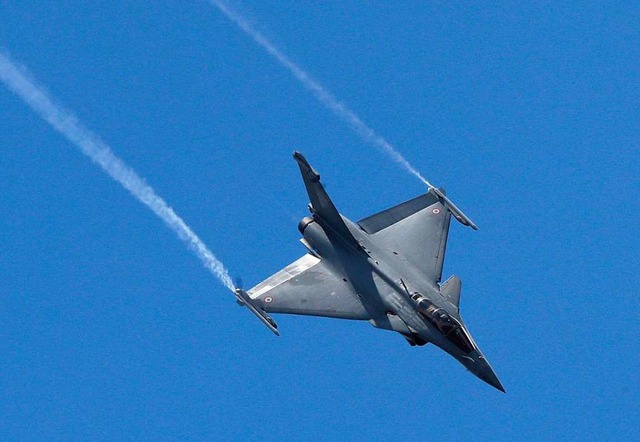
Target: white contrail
x=320 y=92
x=18 y=80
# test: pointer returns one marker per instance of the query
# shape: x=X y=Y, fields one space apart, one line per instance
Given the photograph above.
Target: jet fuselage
x=396 y=293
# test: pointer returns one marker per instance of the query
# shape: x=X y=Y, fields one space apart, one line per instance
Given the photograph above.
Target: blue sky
x=527 y=114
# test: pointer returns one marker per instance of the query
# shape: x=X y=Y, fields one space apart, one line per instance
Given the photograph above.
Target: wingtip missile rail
x=243 y=298
x=455 y=211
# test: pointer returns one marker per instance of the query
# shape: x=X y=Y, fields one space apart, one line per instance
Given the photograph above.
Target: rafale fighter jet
x=385 y=269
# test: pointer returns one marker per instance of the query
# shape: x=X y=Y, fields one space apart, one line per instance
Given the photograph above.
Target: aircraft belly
x=392 y=295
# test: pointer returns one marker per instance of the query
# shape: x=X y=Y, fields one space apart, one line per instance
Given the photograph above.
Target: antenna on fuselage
x=405 y=287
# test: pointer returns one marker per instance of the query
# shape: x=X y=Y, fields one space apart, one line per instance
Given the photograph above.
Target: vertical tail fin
x=321 y=205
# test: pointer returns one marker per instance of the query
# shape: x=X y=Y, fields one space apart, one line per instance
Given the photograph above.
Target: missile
x=457 y=213
x=243 y=298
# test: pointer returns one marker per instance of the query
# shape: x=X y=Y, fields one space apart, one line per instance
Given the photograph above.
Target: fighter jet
x=385 y=269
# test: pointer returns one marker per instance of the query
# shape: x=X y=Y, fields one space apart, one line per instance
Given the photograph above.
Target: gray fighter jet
x=385 y=269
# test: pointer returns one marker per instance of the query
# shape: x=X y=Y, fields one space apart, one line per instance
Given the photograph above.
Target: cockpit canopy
x=443 y=321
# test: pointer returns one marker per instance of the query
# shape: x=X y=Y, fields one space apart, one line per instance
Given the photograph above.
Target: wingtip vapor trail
x=18 y=80
x=322 y=94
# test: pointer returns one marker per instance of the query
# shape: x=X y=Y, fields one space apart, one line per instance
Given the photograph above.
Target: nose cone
x=486 y=373
x=481 y=368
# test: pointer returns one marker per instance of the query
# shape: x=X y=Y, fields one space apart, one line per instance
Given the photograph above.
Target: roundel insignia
x=436 y=211
x=268 y=299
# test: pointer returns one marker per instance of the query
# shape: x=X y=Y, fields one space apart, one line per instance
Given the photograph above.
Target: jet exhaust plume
x=322 y=94
x=35 y=96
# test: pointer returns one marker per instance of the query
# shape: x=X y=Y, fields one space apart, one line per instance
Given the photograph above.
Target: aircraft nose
x=483 y=370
